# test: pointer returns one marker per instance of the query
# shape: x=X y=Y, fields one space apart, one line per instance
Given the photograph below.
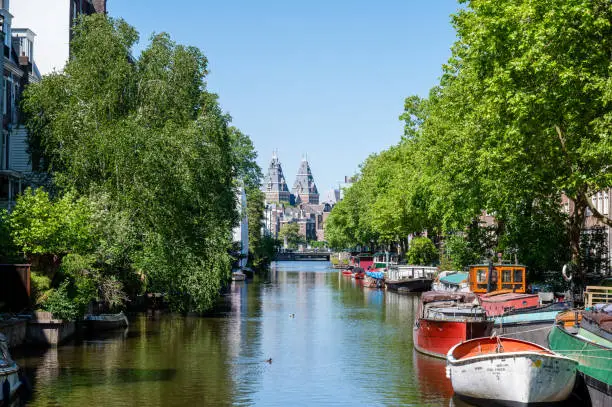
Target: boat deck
x=487 y=346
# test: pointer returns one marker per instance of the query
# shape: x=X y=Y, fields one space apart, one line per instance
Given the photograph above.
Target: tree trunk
x=575 y=227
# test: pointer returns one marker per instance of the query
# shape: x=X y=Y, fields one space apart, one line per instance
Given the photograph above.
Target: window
x=518 y=275
x=506 y=276
x=481 y=276
x=599 y=202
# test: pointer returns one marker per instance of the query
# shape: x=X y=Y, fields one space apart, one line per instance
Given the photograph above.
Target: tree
x=291 y=233
x=146 y=140
x=422 y=251
x=537 y=77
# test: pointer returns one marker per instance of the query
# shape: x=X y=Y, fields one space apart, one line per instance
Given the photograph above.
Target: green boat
x=594 y=355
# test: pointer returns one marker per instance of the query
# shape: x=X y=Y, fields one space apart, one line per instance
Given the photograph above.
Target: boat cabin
x=450 y=306
x=363 y=260
x=484 y=278
x=384 y=260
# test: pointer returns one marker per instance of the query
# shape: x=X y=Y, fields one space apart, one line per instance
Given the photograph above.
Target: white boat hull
x=513 y=377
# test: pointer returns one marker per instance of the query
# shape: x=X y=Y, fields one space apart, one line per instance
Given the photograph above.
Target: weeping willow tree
x=146 y=135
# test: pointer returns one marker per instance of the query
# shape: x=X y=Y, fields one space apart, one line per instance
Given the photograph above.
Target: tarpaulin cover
x=379 y=275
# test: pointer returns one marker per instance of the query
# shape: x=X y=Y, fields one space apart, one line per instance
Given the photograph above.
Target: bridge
x=306 y=255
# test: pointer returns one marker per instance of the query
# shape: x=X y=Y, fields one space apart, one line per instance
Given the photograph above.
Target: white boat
x=238 y=276
x=509 y=371
x=10 y=383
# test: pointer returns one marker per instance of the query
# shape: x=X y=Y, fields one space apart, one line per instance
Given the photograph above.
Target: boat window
x=481 y=276
x=518 y=275
x=506 y=276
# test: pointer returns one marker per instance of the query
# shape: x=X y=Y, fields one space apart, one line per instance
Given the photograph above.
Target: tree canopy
x=150 y=147
x=520 y=117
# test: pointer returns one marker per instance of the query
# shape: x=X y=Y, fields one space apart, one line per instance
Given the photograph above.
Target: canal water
x=302 y=336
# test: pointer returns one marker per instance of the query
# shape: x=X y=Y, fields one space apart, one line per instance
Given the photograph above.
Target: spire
x=304 y=189
x=274 y=186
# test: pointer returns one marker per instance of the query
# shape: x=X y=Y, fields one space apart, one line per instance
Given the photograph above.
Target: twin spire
x=304 y=188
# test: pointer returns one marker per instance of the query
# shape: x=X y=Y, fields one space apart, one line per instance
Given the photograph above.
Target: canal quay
x=301 y=336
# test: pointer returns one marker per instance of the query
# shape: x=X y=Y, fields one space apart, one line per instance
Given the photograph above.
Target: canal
x=302 y=336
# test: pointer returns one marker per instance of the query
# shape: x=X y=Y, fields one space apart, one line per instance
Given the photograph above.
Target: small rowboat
x=106 y=322
x=509 y=371
x=347 y=272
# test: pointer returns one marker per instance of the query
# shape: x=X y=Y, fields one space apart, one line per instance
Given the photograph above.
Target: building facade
x=34 y=32
x=18 y=70
x=300 y=206
x=52 y=21
x=601 y=202
x=304 y=188
x=275 y=186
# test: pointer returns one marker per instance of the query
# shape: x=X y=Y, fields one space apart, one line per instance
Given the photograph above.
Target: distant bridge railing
x=306 y=255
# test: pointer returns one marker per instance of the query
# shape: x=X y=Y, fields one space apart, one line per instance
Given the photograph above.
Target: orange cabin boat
x=509 y=277
x=501 y=287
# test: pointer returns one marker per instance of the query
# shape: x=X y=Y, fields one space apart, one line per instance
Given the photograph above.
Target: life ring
x=564 y=274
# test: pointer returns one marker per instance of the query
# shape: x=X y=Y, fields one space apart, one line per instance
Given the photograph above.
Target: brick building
x=274 y=186
x=300 y=206
x=304 y=188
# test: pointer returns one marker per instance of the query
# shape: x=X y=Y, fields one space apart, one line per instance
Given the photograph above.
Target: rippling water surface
x=345 y=346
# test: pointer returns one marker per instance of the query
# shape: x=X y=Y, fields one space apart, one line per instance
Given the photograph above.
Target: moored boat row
x=507 y=346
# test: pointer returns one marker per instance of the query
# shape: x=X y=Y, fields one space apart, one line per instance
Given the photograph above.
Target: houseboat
x=410 y=278
x=384 y=261
x=502 y=290
x=501 y=287
x=509 y=372
x=444 y=319
x=363 y=260
x=587 y=341
x=532 y=325
x=453 y=281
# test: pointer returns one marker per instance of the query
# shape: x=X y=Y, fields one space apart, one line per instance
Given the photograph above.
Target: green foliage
x=291 y=233
x=40 y=225
x=153 y=152
x=61 y=305
x=520 y=116
x=460 y=252
x=422 y=251
x=40 y=287
x=266 y=251
x=315 y=244
x=8 y=249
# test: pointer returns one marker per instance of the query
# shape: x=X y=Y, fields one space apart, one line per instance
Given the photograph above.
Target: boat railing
x=409 y=272
x=597 y=295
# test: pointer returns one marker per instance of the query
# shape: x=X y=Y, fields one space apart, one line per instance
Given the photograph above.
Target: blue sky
x=323 y=78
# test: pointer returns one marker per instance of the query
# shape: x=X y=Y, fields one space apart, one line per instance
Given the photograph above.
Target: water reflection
x=330 y=341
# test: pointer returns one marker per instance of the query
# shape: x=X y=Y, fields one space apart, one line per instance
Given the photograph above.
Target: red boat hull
x=347 y=273
x=437 y=337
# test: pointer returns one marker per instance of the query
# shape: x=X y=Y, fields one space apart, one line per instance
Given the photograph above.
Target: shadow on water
x=88 y=377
